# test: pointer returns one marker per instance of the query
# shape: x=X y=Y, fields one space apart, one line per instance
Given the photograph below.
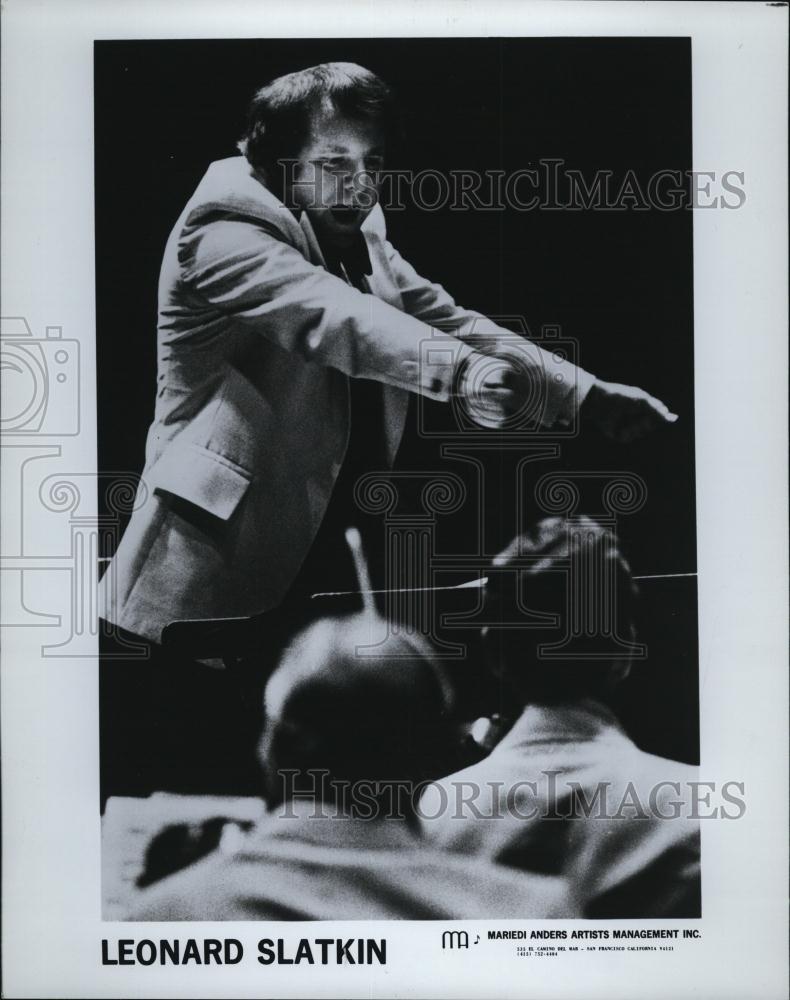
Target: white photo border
x=52 y=929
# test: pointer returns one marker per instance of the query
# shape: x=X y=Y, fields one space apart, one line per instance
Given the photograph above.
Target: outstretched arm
x=236 y=268
x=243 y=269
x=622 y=412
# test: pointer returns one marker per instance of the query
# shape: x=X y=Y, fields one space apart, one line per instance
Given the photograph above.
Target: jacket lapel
x=234 y=185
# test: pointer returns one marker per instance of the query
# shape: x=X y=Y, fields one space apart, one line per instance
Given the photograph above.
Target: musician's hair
x=279 y=113
x=355 y=702
x=532 y=577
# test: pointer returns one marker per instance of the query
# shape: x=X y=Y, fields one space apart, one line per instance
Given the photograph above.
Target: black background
x=620 y=283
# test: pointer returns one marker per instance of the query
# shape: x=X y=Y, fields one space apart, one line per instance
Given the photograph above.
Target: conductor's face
x=336 y=175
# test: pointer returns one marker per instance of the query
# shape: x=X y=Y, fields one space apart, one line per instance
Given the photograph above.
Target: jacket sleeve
x=241 y=268
x=566 y=385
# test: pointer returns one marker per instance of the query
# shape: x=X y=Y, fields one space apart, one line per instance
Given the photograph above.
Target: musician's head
x=351 y=701
x=319 y=137
x=561 y=596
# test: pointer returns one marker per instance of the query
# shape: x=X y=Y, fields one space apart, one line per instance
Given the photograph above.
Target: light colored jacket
x=566 y=792
x=308 y=867
x=256 y=343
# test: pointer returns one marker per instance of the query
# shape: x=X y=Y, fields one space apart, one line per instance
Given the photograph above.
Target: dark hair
x=537 y=563
x=279 y=112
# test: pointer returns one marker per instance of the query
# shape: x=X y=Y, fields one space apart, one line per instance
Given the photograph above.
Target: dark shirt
x=329 y=566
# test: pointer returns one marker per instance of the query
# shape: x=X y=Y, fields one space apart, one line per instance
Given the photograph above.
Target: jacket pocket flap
x=204 y=478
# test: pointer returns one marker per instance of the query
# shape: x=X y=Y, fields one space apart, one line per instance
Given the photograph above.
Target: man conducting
x=291 y=334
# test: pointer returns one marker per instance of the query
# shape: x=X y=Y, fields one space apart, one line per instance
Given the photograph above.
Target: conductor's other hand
x=624 y=412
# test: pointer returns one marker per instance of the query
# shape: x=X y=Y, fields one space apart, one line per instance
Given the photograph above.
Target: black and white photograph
x=421 y=542
x=403 y=589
